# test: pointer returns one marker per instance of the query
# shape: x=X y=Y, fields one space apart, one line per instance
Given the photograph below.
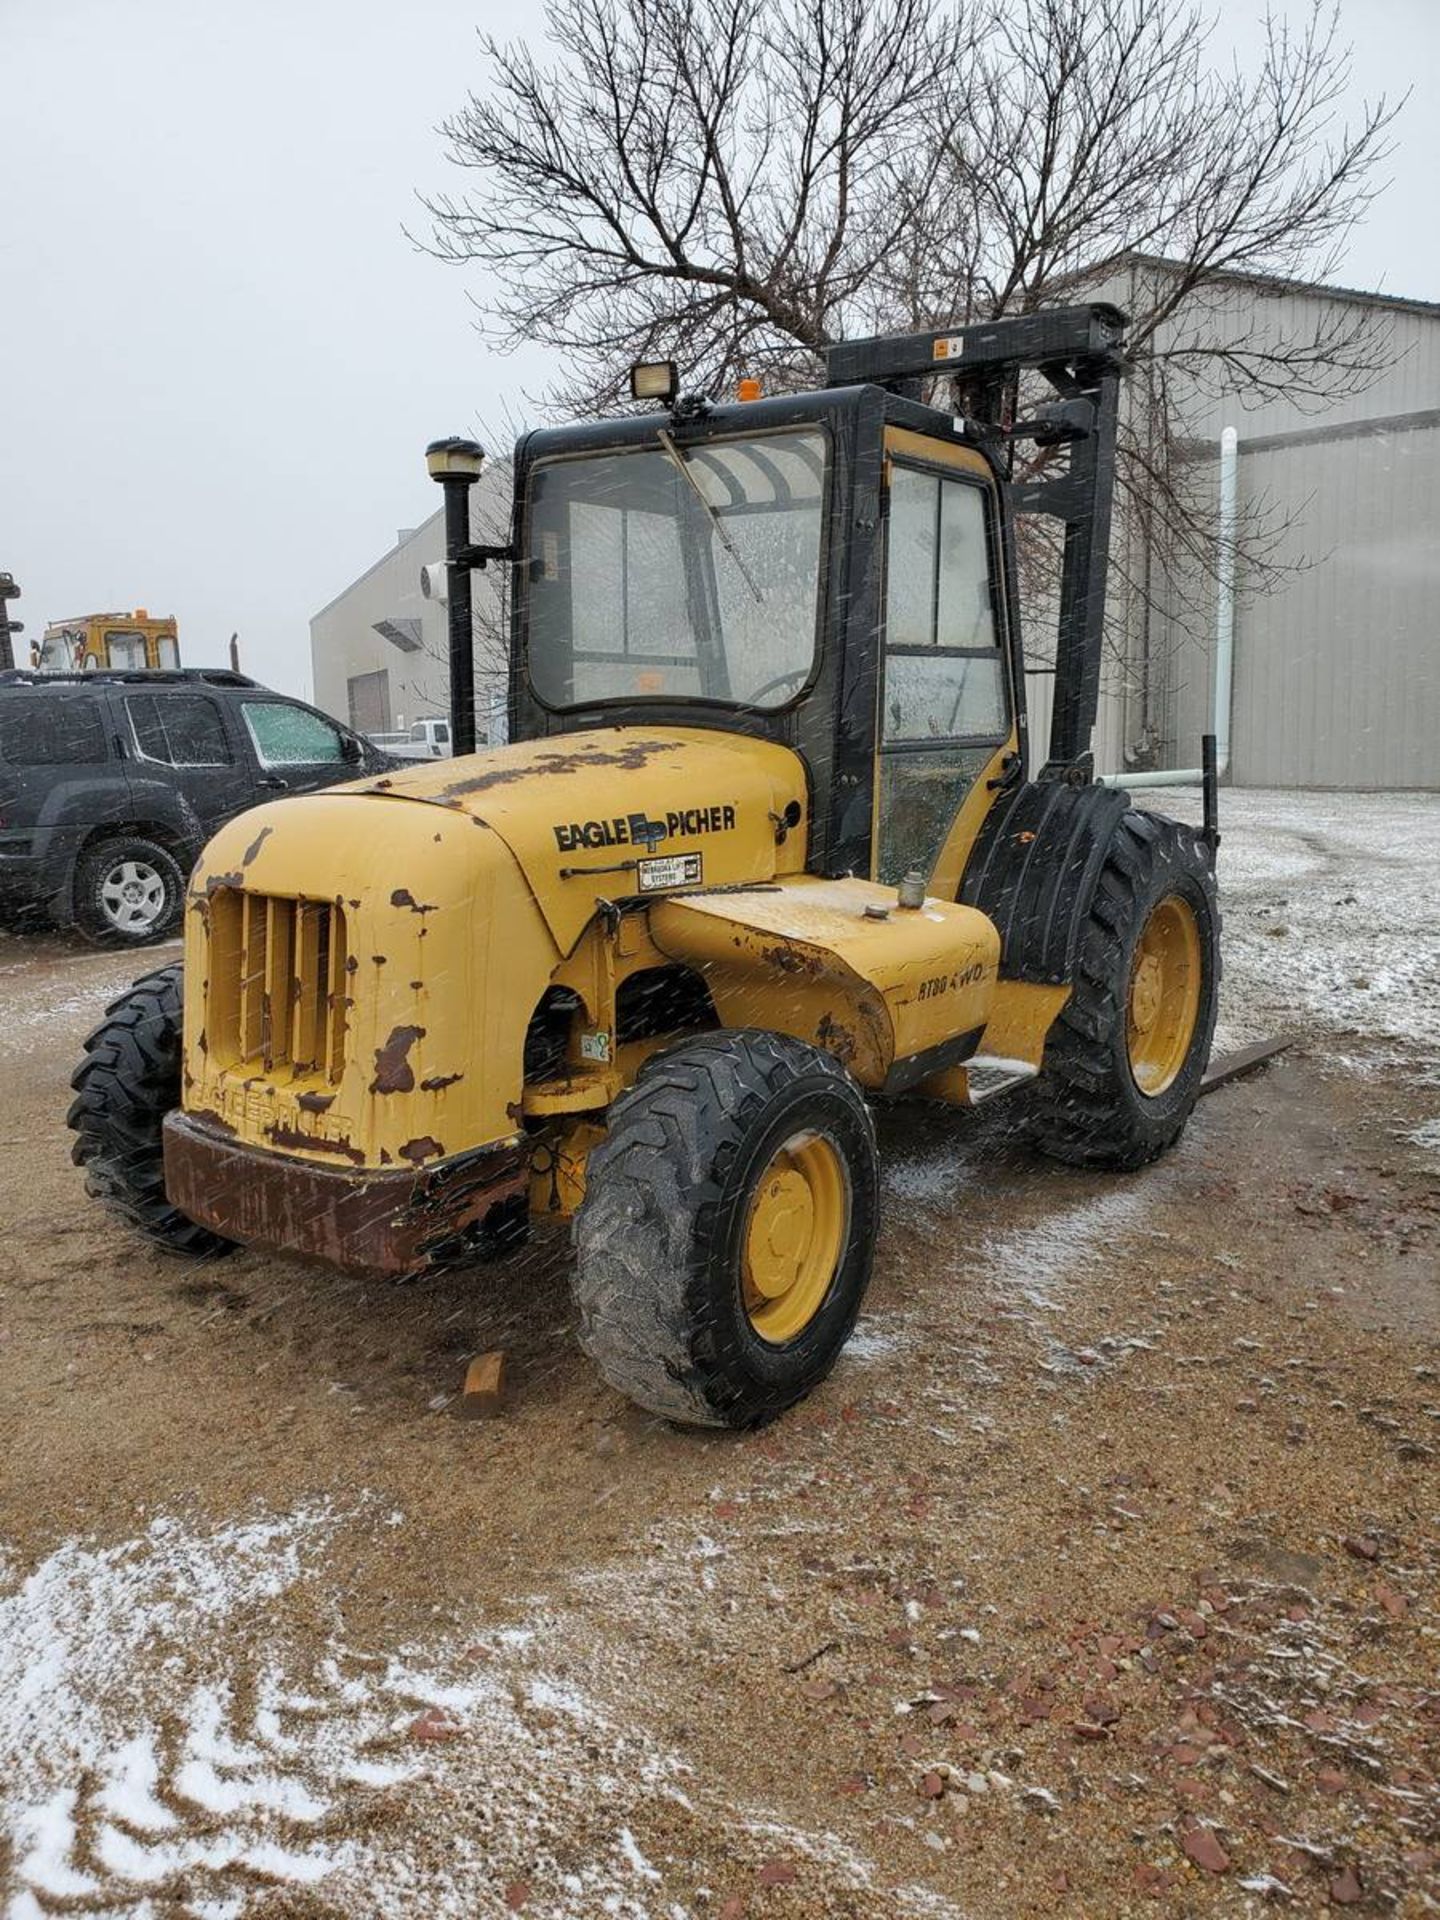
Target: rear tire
x=124 y=1087
x=1154 y=908
x=128 y=892
x=728 y=1228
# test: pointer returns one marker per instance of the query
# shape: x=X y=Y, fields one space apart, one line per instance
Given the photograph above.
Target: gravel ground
x=1100 y=1578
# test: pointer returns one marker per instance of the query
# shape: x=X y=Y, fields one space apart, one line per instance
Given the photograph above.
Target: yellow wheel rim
x=1164 y=999
x=794 y=1237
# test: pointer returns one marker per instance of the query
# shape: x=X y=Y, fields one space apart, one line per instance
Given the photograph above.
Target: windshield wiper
x=683 y=466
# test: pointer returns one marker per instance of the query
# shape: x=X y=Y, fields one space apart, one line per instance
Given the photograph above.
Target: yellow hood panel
x=579 y=812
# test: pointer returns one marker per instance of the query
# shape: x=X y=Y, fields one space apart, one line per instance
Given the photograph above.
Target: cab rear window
x=51 y=732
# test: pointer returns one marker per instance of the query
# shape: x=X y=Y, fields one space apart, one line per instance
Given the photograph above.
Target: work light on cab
x=655 y=380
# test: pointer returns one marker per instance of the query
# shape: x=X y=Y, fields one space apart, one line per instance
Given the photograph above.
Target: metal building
x=379 y=651
x=1335 y=652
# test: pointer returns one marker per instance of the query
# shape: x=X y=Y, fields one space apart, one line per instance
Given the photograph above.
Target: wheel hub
x=1163 y=1004
x=781 y=1230
x=794 y=1237
x=133 y=895
x=1146 y=992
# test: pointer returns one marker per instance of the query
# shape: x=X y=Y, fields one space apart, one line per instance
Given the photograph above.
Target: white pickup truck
x=426 y=740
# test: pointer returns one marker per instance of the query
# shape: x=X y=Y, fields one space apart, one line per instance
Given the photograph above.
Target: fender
x=74 y=809
x=1034 y=870
x=162 y=802
x=68 y=814
x=896 y=998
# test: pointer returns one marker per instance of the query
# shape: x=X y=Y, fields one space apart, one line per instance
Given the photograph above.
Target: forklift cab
x=833 y=570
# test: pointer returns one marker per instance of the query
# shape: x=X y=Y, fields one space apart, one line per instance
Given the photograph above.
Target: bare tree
x=719 y=181
x=736 y=183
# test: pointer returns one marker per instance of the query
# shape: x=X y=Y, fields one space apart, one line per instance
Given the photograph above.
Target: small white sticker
x=948 y=347
x=671 y=870
x=595 y=1046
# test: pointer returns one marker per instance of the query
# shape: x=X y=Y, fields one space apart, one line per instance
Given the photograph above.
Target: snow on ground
x=165 y=1749
x=74 y=986
x=1331 y=905
x=160 y=1742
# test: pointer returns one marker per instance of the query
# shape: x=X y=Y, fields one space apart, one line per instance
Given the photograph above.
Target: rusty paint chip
x=402 y=897
x=393 y=1071
x=427 y=1147
x=836 y=1039
x=439 y=1080
x=292 y=1137
x=630 y=757
x=255 y=845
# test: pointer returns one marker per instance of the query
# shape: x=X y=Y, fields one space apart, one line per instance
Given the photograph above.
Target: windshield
x=59 y=651
x=677 y=572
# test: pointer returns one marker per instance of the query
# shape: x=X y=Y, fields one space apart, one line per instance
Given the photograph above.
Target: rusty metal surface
x=377 y=1224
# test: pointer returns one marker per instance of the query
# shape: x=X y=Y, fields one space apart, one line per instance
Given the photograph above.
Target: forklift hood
x=623 y=811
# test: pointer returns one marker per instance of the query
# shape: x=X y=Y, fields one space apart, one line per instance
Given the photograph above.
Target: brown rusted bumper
x=364 y=1221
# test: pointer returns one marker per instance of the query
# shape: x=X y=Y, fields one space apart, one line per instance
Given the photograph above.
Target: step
x=988 y=1074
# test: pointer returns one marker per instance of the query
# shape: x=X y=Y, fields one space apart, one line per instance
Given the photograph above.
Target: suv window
x=288 y=736
x=52 y=731
x=178 y=729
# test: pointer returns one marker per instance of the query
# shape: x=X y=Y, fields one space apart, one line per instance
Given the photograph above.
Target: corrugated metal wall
x=1337 y=675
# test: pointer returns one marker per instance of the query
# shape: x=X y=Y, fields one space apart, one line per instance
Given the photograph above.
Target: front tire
x=1124 y=1060
x=728 y=1228
x=124 y=1087
x=128 y=892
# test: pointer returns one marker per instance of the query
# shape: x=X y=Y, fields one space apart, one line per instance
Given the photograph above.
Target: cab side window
x=944 y=705
x=124 y=651
x=944 y=676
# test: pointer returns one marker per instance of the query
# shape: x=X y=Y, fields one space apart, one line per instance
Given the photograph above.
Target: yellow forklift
x=766 y=846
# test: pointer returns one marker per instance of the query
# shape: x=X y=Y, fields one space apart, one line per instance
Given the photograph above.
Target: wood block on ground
x=483 y=1395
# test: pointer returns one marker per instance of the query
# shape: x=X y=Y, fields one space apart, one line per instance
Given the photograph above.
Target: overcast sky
x=221 y=356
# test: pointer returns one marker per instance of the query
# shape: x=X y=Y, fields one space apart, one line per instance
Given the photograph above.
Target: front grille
x=277 y=983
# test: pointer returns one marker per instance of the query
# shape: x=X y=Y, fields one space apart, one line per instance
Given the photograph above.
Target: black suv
x=111 y=783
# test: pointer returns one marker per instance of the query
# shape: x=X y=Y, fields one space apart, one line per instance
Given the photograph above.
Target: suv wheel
x=127 y=892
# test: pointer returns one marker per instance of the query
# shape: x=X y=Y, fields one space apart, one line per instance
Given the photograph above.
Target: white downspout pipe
x=1224 y=638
